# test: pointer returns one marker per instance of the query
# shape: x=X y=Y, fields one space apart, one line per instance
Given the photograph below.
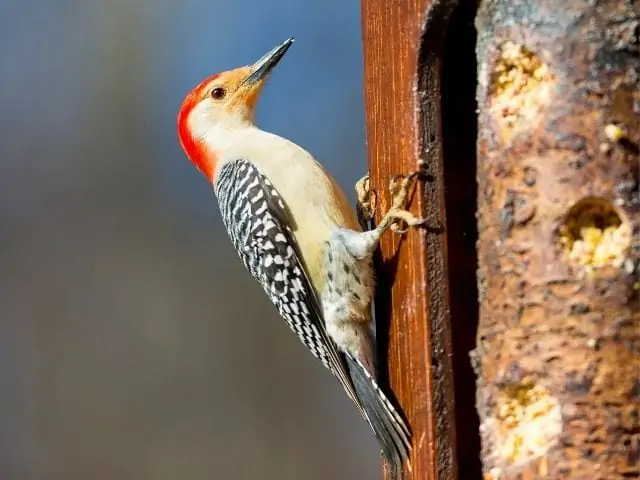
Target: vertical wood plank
x=402 y=48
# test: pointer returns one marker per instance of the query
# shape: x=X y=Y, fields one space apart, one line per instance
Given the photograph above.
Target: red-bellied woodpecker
x=297 y=235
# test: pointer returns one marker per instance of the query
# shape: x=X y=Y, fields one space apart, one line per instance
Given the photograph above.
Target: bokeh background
x=132 y=344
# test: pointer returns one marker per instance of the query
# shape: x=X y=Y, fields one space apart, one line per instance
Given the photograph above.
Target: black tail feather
x=389 y=427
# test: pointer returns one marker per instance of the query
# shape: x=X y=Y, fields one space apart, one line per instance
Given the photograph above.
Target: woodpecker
x=297 y=235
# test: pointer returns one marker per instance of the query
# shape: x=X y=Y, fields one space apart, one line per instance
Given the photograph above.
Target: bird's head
x=221 y=103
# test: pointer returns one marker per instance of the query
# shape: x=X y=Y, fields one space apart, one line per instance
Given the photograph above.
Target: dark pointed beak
x=261 y=69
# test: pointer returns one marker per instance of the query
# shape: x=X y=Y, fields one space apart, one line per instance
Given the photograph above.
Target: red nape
x=192 y=148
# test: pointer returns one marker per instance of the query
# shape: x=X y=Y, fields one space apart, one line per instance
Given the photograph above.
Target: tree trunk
x=558 y=340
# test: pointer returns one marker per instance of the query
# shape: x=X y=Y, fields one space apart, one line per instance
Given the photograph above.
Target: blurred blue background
x=132 y=343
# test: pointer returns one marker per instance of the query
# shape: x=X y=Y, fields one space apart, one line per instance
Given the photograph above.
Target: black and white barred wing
x=259 y=225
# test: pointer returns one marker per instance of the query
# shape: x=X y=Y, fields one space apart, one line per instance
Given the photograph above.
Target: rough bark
x=558 y=350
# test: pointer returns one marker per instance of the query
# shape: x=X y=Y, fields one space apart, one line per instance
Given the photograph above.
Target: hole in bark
x=520 y=85
x=527 y=423
x=594 y=235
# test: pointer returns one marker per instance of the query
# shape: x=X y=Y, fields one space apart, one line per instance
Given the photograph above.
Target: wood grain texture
x=403 y=47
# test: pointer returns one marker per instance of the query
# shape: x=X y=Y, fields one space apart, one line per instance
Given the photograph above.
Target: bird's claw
x=365 y=201
x=409 y=219
x=399 y=187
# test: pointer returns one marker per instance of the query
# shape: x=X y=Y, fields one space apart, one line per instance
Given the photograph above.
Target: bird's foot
x=365 y=201
x=399 y=188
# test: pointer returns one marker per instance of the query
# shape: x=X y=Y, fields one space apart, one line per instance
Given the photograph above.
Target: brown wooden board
x=403 y=49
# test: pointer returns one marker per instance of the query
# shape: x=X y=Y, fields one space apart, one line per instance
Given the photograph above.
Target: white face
x=209 y=120
x=226 y=104
x=223 y=107
x=226 y=101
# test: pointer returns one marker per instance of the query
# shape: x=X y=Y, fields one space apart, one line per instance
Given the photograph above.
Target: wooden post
x=403 y=49
x=558 y=167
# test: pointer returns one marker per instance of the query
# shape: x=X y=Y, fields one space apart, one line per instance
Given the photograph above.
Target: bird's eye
x=218 y=93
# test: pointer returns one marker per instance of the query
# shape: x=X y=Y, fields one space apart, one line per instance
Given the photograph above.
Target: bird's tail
x=389 y=427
